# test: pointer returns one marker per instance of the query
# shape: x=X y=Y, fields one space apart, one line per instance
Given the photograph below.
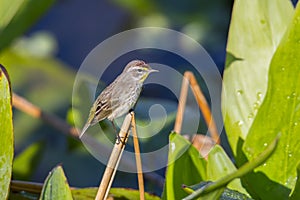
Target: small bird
x=120 y=96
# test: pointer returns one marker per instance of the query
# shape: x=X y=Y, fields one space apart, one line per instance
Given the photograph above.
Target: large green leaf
x=220 y=165
x=6 y=133
x=185 y=166
x=280 y=113
x=213 y=190
x=16 y=16
x=56 y=186
x=8 y=10
x=255 y=31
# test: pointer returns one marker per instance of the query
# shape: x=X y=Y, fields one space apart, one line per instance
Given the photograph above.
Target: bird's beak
x=153 y=70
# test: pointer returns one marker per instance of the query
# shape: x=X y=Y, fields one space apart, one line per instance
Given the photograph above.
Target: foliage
x=16 y=16
x=260 y=96
x=184 y=166
x=56 y=186
x=260 y=103
x=250 y=48
x=6 y=133
x=219 y=169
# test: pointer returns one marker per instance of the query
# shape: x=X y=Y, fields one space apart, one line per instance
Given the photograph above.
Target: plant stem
x=114 y=160
x=138 y=158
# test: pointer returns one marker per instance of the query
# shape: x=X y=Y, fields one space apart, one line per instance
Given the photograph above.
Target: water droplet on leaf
x=240 y=92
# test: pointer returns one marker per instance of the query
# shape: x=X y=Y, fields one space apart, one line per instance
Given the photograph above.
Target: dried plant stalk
x=181 y=104
x=138 y=159
x=202 y=103
x=27 y=107
x=114 y=160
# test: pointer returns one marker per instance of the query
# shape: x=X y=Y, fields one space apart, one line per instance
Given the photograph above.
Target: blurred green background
x=43 y=59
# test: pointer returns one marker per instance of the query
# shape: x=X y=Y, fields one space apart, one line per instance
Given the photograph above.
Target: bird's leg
x=118 y=138
x=131 y=110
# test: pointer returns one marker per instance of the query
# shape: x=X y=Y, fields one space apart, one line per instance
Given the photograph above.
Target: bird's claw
x=119 y=140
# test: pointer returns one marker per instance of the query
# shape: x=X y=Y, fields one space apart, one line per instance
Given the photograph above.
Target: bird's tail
x=86 y=126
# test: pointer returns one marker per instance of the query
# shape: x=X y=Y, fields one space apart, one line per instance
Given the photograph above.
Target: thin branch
x=114 y=160
x=202 y=103
x=181 y=105
x=27 y=107
x=138 y=158
x=31 y=187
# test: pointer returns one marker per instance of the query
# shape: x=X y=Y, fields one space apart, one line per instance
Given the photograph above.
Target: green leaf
x=6 y=134
x=216 y=187
x=29 y=190
x=296 y=192
x=255 y=31
x=280 y=113
x=185 y=166
x=17 y=16
x=116 y=193
x=227 y=194
x=56 y=186
x=219 y=165
x=8 y=10
x=27 y=161
x=123 y=193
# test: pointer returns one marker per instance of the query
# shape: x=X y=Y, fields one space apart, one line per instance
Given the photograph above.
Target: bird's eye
x=140 y=70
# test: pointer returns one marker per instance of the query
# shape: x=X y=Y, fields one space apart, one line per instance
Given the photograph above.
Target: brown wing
x=102 y=106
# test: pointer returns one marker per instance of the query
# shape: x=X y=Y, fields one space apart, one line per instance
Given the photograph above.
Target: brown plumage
x=121 y=95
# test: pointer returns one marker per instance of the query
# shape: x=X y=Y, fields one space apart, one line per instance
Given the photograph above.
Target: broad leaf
x=214 y=190
x=255 y=31
x=8 y=10
x=56 y=186
x=17 y=16
x=280 y=113
x=6 y=134
x=185 y=166
x=220 y=165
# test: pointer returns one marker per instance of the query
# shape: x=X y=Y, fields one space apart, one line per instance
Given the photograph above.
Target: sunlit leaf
x=56 y=186
x=6 y=134
x=220 y=165
x=18 y=16
x=280 y=113
x=255 y=31
x=216 y=188
x=8 y=10
x=185 y=166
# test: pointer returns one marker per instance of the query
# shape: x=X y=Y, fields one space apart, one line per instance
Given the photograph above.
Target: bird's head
x=138 y=69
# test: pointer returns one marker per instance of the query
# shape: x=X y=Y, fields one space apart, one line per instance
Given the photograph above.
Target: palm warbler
x=121 y=95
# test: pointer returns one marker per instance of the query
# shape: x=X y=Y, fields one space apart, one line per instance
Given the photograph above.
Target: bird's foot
x=120 y=139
